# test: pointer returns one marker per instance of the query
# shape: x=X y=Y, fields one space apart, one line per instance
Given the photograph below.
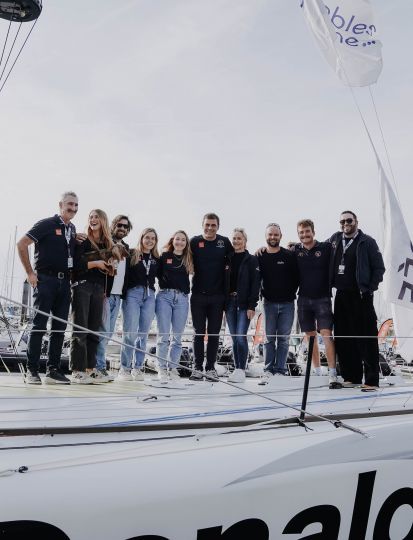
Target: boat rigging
x=16 y=12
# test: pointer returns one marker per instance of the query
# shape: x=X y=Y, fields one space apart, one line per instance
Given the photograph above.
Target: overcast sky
x=167 y=109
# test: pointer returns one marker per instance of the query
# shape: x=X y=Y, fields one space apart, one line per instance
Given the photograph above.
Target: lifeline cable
x=177 y=364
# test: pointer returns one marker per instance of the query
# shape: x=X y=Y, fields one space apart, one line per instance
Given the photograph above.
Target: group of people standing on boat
x=98 y=274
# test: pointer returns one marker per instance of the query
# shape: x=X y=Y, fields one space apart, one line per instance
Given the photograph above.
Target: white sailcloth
x=398 y=259
x=398 y=248
x=403 y=328
x=347 y=36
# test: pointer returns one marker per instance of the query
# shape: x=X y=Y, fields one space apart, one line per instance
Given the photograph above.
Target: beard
x=273 y=243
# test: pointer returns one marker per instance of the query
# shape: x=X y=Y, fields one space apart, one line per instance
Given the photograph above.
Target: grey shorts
x=314 y=314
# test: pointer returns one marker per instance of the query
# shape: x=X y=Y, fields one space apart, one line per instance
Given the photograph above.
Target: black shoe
x=32 y=377
x=55 y=377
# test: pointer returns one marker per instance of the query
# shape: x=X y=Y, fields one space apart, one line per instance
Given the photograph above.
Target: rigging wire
x=10 y=50
x=177 y=364
x=384 y=143
x=5 y=41
x=18 y=54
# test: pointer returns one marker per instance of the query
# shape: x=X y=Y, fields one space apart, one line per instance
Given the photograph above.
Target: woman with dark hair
x=88 y=291
x=172 y=302
x=138 y=307
x=243 y=285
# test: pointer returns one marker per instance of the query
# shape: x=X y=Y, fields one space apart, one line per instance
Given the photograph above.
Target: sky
x=167 y=109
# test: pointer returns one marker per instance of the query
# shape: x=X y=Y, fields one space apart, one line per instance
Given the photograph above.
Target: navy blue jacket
x=248 y=283
x=369 y=261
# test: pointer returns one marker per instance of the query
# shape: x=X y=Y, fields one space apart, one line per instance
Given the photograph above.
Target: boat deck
x=151 y=405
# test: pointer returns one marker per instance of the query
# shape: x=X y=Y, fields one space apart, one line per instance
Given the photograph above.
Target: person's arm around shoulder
x=229 y=248
x=23 y=251
x=294 y=269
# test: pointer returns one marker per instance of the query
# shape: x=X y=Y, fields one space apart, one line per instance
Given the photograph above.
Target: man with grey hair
x=54 y=240
x=279 y=283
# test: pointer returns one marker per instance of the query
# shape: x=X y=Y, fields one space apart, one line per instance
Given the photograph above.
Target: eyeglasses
x=349 y=221
x=122 y=226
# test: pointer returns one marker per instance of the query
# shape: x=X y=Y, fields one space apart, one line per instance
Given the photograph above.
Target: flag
x=347 y=36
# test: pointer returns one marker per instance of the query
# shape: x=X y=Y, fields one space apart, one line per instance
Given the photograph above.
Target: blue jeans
x=171 y=311
x=111 y=308
x=238 y=324
x=52 y=295
x=279 y=318
x=138 y=310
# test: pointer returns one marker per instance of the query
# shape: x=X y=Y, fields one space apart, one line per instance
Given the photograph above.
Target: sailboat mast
x=12 y=262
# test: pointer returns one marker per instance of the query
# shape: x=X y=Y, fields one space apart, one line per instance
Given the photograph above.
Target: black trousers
x=355 y=316
x=87 y=311
x=52 y=295
x=206 y=310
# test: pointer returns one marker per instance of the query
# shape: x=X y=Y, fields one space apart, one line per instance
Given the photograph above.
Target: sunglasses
x=122 y=226
x=349 y=221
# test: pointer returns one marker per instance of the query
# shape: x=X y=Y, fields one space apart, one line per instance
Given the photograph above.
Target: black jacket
x=248 y=284
x=369 y=262
x=84 y=253
x=125 y=282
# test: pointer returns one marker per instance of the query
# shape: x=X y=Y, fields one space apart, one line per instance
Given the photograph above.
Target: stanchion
x=307 y=377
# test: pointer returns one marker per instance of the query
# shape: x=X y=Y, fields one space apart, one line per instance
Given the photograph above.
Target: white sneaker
x=99 y=377
x=334 y=383
x=107 y=374
x=162 y=375
x=237 y=376
x=81 y=377
x=174 y=375
x=211 y=375
x=266 y=377
x=124 y=375
x=137 y=375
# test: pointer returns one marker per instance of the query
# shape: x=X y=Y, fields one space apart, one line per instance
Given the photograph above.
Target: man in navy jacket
x=356 y=270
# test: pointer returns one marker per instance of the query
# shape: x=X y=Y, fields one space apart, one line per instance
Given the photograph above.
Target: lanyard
x=346 y=246
x=147 y=265
x=68 y=236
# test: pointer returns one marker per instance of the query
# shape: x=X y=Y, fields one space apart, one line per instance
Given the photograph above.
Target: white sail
x=398 y=259
x=398 y=248
x=347 y=36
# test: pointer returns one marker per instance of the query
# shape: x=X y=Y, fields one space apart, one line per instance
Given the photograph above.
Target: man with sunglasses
x=356 y=270
x=115 y=292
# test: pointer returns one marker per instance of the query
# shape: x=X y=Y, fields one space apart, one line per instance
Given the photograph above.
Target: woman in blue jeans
x=172 y=302
x=138 y=308
x=242 y=286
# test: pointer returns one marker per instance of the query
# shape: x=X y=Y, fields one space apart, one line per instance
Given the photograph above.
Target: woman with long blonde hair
x=172 y=302
x=138 y=307
x=88 y=286
x=242 y=288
